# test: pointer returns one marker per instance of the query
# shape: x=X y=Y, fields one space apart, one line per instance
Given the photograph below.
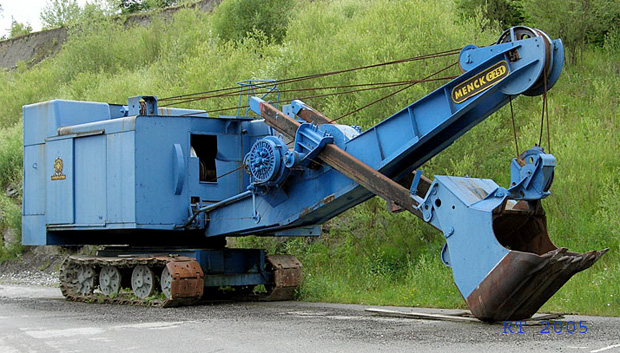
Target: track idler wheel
x=287 y=276
x=182 y=282
x=77 y=279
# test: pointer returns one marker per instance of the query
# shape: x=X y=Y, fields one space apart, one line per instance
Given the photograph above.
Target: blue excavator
x=161 y=188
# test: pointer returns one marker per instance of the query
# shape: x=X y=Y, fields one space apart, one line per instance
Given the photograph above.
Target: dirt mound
x=35 y=267
x=31 y=48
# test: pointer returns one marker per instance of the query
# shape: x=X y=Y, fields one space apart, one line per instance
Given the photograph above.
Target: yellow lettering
x=479 y=83
x=458 y=94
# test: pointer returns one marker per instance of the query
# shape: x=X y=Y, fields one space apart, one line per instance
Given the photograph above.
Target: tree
x=19 y=29
x=59 y=13
x=133 y=6
x=507 y=13
x=577 y=22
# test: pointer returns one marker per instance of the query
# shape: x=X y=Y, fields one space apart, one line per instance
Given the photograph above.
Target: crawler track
x=79 y=279
x=186 y=287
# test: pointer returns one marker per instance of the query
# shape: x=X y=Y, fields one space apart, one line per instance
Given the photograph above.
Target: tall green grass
x=366 y=255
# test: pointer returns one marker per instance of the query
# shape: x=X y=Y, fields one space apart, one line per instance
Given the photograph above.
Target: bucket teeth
x=503 y=262
x=533 y=280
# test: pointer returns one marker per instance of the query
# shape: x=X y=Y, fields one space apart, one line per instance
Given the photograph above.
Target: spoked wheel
x=77 y=279
x=109 y=280
x=142 y=281
x=85 y=279
x=166 y=283
x=81 y=279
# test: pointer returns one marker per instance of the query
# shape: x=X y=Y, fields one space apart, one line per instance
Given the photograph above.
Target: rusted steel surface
x=523 y=227
x=183 y=293
x=287 y=276
x=522 y=282
x=279 y=121
x=187 y=278
x=368 y=177
x=312 y=116
x=353 y=168
x=532 y=271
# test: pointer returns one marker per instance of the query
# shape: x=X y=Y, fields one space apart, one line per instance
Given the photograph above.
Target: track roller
x=181 y=283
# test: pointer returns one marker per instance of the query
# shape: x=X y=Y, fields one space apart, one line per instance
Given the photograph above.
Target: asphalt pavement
x=38 y=319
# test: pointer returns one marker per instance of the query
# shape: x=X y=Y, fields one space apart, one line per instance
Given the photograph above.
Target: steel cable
x=307 y=77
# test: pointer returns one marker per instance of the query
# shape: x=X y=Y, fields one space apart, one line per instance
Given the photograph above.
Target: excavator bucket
x=503 y=262
x=532 y=271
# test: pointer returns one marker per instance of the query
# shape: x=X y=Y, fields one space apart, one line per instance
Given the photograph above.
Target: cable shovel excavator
x=161 y=188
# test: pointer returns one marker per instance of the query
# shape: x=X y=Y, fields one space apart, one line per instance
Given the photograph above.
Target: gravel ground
x=34 y=268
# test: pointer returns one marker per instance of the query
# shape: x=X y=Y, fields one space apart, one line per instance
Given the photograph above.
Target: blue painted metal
x=151 y=174
x=309 y=141
x=222 y=267
x=463 y=209
x=88 y=167
x=98 y=174
x=413 y=190
x=396 y=146
x=256 y=88
x=265 y=161
x=531 y=175
x=142 y=105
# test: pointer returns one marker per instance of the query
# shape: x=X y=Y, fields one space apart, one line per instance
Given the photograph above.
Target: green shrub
x=10 y=157
x=234 y=20
x=577 y=22
x=506 y=13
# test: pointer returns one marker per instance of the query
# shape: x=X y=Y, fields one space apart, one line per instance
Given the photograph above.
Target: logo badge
x=58 y=175
x=480 y=82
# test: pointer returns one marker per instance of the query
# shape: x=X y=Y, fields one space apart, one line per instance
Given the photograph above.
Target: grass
x=366 y=255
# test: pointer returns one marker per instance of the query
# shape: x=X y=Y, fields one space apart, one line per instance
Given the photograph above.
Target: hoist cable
x=514 y=126
x=546 y=107
x=233 y=94
x=385 y=85
x=306 y=77
x=396 y=92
